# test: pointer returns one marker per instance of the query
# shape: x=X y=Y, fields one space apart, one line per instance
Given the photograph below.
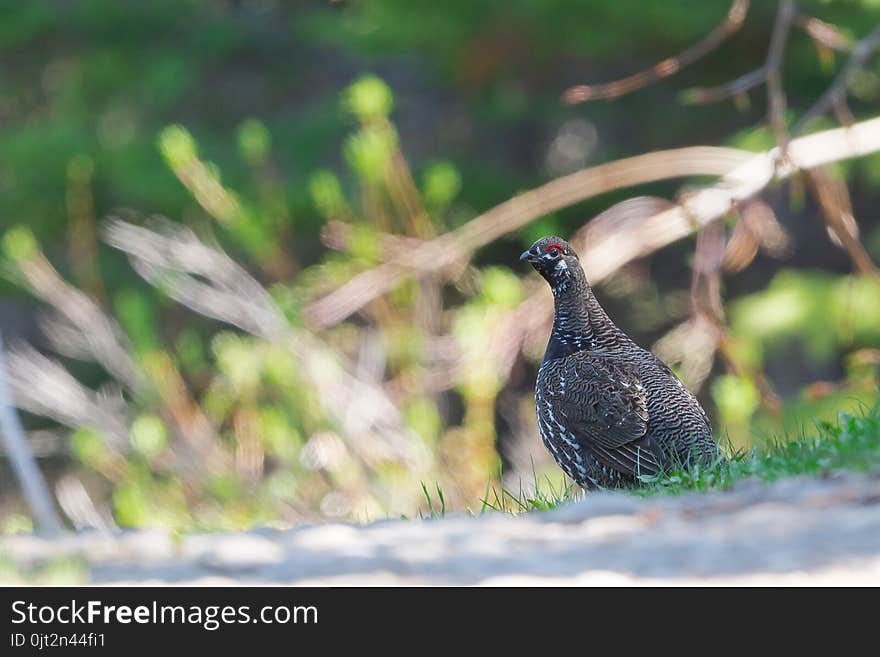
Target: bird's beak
x=528 y=255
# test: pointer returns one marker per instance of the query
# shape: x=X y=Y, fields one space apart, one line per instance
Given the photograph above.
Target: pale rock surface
x=794 y=532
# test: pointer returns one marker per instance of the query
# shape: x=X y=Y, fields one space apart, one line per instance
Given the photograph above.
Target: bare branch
x=618 y=248
x=446 y=250
x=833 y=197
x=769 y=73
x=706 y=274
x=611 y=90
x=775 y=93
x=842 y=112
x=606 y=253
x=834 y=97
x=706 y=95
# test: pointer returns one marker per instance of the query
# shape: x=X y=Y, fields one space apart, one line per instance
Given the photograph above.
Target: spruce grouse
x=608 y=411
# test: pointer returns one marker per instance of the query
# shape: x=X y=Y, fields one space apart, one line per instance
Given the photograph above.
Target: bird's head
x=554 y=259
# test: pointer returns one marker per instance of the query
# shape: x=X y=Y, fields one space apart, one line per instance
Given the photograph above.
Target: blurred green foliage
x=261 y=125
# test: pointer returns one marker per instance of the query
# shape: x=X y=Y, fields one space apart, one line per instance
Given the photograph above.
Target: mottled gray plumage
x=608 y=410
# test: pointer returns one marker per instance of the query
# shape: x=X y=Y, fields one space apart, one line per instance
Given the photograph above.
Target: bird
x=612 y=414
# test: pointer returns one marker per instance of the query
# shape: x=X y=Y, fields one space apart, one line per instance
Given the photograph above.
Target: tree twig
x=775 y=93
x=742 y=84
x=611 y=90
x=834 y=97
x=834 y=200
x=769 y=73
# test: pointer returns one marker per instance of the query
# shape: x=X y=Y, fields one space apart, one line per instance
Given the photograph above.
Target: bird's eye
x=554 y=249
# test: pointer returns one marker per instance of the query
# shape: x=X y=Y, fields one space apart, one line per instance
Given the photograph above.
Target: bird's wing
x=603 y=405
x=668 y=371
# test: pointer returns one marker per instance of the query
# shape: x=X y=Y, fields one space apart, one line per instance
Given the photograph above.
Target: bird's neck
x=579 y=322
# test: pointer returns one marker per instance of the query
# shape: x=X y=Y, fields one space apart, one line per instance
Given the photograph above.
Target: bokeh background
x=183 y=181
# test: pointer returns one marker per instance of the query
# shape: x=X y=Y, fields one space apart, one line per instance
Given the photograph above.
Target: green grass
x=543 y=496
x=852 y=443
x=438 y=512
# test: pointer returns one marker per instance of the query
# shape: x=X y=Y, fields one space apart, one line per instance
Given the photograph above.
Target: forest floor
x=796 y=531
